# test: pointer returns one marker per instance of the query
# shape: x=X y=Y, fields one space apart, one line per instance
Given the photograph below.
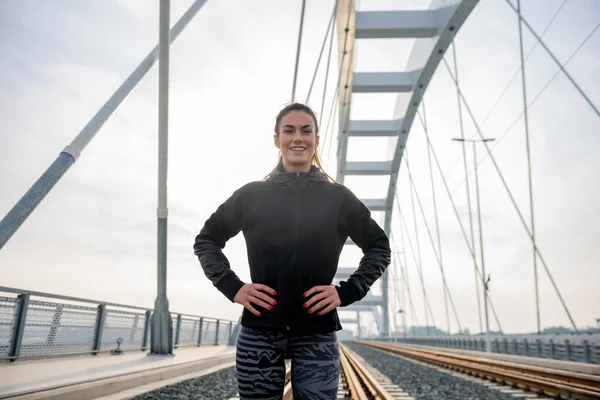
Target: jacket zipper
x=294 y=258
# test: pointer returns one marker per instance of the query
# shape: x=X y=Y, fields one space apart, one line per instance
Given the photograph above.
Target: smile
x=298 y=149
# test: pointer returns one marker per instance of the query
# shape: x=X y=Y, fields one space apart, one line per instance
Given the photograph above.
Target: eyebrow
x=291 y=126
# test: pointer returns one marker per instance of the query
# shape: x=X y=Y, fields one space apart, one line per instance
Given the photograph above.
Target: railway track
x=543 y=381
x=357 y=381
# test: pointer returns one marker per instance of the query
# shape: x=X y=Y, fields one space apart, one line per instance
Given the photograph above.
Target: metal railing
x=579 y=348
x=35 y=324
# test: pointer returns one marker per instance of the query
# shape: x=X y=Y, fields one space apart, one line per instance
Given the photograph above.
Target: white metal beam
x=384 y=82
x=396 y=24
x=375 y=128
x=375 y=204
x=368 y=168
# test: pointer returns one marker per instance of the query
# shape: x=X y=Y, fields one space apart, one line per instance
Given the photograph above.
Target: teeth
x=298 y=148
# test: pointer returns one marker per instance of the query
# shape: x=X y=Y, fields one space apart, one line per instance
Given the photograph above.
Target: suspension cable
x=328 y=64
x=512 y=199
x=445 y=284
x=518 y=118
x=464 y=153
x=527 y=140
x=412 y=202
x=426 y=304
x=437 y=225
x=511 y=80
x=404 y=279
x=329 y=25
x=560 y=65
x=298 y=50
x=462 y=228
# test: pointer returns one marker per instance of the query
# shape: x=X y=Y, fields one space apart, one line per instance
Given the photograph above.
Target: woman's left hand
x=324 y=296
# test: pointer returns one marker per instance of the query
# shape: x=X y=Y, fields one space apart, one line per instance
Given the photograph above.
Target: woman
x=295 y=223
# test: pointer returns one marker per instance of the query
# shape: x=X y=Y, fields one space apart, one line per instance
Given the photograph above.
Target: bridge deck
x=33 y=375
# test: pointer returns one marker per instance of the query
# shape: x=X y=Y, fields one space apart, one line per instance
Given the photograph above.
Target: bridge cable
x=417 y=255
x=298 y=50
x=511 y=80
x=437 y=227
x=405 y=277
x=328 y=64
x=400 y=293
x=526 y=120
x=312 y=83
x=512 y=199
x=426 y=303
x=437 y=256
x=561 y=66
x=535 y=99
x=334 y=106
x=464 y=154
x=462 y=228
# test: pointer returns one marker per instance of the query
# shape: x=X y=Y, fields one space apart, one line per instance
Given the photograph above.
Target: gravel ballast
x=422 y=382
x=218 y=385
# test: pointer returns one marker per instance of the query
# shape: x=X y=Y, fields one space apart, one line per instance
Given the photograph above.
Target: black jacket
x=295 y=226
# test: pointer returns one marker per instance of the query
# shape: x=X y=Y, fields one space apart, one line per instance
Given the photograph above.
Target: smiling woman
x=295 y=223
x=297 y=138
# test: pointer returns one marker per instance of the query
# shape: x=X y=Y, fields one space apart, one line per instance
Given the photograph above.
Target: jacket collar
x=294 y=181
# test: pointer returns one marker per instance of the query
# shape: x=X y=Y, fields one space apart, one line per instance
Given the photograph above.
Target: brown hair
x=316 y=159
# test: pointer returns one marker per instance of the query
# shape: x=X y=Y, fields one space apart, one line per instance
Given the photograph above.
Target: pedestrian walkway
x=28 y=376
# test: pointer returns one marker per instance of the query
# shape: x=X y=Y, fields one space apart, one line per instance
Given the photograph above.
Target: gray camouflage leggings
x=260 y=367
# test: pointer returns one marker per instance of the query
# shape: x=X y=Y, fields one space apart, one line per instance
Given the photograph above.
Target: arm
x=357 y=223
x=222 y=225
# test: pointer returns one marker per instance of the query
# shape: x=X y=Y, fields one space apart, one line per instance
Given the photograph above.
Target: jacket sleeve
x=222 y=225
x=356 y=222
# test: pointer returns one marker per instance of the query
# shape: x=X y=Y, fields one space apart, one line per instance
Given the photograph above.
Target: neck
x=296 y=168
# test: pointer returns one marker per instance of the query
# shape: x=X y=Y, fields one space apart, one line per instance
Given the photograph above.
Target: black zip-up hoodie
x=295 y=226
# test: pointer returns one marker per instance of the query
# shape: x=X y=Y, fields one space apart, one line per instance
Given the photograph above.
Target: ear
x=317 y=141
x=276 y=141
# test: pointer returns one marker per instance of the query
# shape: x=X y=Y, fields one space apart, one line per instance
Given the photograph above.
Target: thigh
x=260 y=367
x=315 y=366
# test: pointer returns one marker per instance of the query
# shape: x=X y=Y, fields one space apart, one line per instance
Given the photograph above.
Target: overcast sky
x=94 y=235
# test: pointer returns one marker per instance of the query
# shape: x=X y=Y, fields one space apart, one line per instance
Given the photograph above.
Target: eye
x=288 y=131
x=307 y=132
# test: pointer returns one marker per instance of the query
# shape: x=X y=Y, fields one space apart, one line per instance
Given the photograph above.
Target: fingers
x=314 y=299
x=249 y=307
x=259 y=302
x=263 y=296
x=314 y=290
x=320 y=305
x=264 y=288
x=330 y=308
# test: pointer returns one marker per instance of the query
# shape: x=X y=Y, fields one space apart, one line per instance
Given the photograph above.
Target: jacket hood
x=293 y=181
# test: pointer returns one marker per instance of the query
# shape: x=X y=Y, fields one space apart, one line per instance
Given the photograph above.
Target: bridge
x=468 y=128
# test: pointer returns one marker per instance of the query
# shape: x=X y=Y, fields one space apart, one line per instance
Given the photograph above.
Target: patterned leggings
x=260 y=367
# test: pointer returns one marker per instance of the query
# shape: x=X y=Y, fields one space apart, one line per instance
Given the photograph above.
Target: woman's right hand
x=252 y=293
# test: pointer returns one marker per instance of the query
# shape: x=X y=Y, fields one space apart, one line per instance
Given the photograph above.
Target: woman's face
x=297 y=140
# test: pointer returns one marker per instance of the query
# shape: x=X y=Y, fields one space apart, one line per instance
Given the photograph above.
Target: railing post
x=146 y=330
x=505 y=346
x=136 y=319
x=19 y=326
x=586 y=351
x=229 y=331
x=552 y=349
x=538 y=346
x=100 y=318
x=515 y=346
x=216 y=343
x=526 y=347
x=178 y=330
x=567 y=350
x=200 y=331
